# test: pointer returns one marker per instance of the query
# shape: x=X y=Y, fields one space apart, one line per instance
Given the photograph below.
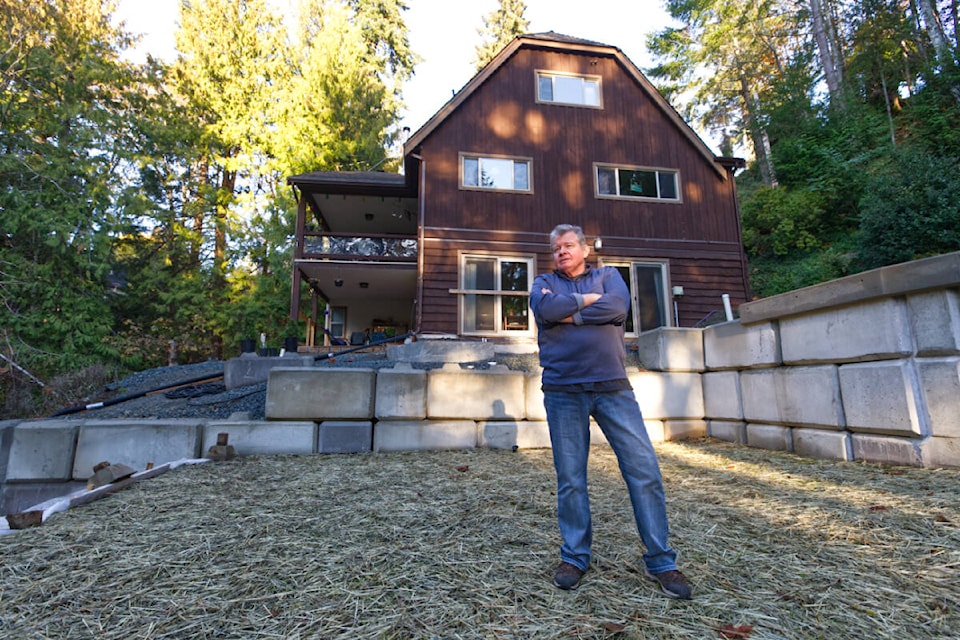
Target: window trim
x=628 y=167
x=538 y=73
x=630 y=263
x=461 y=293
x=493 y=156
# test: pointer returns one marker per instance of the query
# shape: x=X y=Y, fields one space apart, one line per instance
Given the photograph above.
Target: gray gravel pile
x=211 y=401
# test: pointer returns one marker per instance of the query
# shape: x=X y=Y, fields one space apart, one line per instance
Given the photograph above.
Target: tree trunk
x=825 y=34
x=228 y=182
x=931 y=24
x=761 y=141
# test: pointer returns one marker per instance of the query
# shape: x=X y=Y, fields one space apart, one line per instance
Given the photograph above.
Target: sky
x=444 y=34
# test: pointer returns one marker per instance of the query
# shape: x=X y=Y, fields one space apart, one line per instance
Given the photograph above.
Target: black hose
x=130 y=396
x=326 y=356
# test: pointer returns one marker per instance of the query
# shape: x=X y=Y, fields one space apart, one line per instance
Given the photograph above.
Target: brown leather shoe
x=567 y=576
x=673 y=583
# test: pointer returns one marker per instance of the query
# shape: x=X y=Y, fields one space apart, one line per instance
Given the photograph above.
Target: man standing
x=580 y=313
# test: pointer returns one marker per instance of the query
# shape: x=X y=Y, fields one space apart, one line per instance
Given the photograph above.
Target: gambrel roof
x=563 y=43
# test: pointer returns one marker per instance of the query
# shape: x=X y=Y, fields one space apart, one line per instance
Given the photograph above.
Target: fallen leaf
x=613 y=627
x=878 y=507
x=942 y=518
x=729 y=631
x=463 y=468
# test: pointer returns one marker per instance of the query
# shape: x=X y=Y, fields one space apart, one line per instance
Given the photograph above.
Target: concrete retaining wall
x=863 y=368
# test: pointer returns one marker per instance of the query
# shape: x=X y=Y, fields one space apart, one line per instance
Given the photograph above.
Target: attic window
x=568 y=89
x=637 y=182
x=497 y=173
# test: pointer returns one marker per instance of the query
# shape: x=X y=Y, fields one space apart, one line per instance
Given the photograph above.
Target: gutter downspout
x=420 y=248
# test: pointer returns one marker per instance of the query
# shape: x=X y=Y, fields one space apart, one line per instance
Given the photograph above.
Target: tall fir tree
x=499 y=28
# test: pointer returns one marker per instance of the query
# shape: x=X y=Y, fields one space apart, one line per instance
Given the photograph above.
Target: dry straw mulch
x=462 y=544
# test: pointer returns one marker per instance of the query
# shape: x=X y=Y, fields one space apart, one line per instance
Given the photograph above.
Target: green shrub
x=911 y=209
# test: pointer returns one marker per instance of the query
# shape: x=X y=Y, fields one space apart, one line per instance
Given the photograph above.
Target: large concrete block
x=721 y=395
x=671 y=349
x=769 y=436
x=935 y=318
x=732 y=345
x=42 y=451
x=886 y=450
x=262 y=438
x=683 y=429
x=666 y=395
x=758 y=390
x=320 y=394
x=475 y=394
x=6 y=441
x=134 y=443
x=253 y=369
x=810 y=396
x=432 y=350
x=872 y=330
x=424 y=435
x=937 y=272
x=515 y=433
x=533 y=397
x=17 y=497
x=940 y=382
x=728 y=431
x=804 y=396
x=941 y=452
x=881 y=397
x=401 y=393
x=820 y=443
x=345 y=437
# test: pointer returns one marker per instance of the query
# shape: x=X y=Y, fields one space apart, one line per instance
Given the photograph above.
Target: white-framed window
x=614 y=181
x=495 y=294
x=649 y=302
x=569 y=89
x=499 y=173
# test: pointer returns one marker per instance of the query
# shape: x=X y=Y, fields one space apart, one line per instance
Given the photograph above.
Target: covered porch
x=356 y=257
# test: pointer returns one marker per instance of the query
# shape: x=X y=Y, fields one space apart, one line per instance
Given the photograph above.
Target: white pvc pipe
x=726 y=307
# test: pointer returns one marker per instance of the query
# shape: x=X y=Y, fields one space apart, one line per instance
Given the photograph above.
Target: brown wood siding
x=699 y=237
x=704 y=275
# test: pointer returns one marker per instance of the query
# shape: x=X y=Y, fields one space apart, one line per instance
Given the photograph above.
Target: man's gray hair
x=562 y=229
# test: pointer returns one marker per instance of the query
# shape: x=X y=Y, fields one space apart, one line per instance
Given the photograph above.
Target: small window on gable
x=568 y=89
x=497 y=173
x=637 y=182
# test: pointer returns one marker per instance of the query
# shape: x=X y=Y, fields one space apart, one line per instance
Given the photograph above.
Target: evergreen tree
x=500 y=27
x=67 y=111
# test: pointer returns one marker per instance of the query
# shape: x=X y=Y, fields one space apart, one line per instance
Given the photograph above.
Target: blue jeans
x=618 y=415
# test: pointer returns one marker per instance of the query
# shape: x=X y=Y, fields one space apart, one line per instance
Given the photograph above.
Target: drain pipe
x=726 y=307
x=130 y=396
x=332 y=355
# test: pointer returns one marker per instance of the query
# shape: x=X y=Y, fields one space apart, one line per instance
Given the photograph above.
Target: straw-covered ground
x=462 y=544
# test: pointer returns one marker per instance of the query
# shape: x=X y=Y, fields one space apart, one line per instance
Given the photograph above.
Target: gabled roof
x=560 y=42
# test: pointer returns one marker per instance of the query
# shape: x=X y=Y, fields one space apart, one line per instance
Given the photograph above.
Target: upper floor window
x=637 y=182
x=499 y=173
x=568 y=89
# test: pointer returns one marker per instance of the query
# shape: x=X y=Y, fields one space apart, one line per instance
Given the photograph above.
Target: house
x=553 y=130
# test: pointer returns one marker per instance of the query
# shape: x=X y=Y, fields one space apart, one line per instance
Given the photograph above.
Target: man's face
x=569 y=255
